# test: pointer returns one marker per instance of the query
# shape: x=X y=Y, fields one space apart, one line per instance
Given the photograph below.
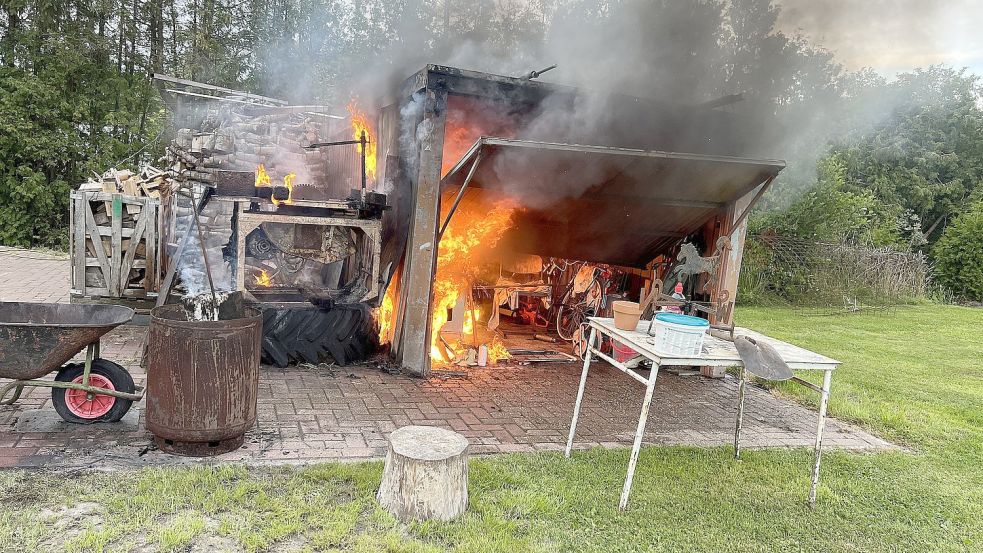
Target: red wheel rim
x=81 y=405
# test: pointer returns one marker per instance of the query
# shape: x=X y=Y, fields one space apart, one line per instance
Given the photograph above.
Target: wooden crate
x=115 y=245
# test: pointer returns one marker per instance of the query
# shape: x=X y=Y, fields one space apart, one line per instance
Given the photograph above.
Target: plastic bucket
x=621 y=352
x=626 y=315
x=680 y=335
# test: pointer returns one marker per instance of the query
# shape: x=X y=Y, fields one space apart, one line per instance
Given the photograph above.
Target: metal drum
x=202 y=380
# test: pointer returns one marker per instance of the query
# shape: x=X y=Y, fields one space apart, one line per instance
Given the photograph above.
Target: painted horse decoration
x=691 y=263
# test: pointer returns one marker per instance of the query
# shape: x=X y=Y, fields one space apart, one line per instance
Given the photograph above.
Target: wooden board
x=122 y=252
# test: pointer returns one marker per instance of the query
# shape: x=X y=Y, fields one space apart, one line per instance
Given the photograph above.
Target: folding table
x=717 y=352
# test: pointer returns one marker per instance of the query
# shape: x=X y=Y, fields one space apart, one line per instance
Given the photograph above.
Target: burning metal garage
x=470 y=218
x=502 y=187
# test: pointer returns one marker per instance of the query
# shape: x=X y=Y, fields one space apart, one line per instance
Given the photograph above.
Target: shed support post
x=421 y=253
x=736 y=227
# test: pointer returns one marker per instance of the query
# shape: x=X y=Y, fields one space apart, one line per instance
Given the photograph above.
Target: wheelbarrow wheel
x=77 y=406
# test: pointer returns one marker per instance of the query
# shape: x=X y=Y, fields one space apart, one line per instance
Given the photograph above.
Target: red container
x=622 y=352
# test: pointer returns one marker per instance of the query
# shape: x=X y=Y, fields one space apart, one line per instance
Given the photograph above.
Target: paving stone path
x=344 y=413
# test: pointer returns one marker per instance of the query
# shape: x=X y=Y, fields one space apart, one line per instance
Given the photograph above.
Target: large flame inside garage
x=517 y=219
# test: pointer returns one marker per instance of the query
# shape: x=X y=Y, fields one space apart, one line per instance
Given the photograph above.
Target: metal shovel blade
x=762 y=359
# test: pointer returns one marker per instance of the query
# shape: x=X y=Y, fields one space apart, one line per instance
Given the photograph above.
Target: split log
x=425 y=475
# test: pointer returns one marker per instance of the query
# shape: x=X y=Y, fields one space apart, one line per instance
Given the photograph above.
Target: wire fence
x=828 y=276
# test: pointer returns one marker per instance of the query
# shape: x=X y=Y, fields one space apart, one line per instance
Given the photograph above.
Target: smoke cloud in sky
x=891 y=36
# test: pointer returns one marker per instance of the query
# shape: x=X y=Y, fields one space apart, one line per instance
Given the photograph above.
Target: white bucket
x=683 y=340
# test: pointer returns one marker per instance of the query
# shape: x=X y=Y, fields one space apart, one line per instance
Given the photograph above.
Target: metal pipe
x=741 y=391
x=580 y=391
x=823 y=402
x=66 y=386
x=88 y=368
x=751 y=204
x=204 y=258
x=460 y=195
x=316 y=145
x=363 y=143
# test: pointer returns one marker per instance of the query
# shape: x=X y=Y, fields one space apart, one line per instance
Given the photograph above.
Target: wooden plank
x=150 y=263
x=165 y=287
x=92 y=231
x=134 y=244
x=131 y=251
x=108 y=197
x=116 y=280
x=137 y=263
x=78 y=233
x=108 y=231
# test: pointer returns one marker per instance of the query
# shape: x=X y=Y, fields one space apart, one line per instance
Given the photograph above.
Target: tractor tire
x=343 y=334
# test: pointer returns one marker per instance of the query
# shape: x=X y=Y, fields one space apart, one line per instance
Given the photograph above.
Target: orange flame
x=262 y=177
x=497 y=351
x=386 y=314
x=360 y=123
x=288 y=181
x=263 y=279
x=471 y=236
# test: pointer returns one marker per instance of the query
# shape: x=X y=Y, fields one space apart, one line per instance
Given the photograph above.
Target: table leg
x=642 y=419
x=823 y=401
x=580 y=392
x=741 y=390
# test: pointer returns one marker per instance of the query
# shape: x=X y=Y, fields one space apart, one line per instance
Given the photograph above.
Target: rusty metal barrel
x=202 y=380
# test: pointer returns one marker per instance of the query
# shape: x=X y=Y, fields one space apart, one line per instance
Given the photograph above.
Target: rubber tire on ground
x=344 y=334
x=116 y=374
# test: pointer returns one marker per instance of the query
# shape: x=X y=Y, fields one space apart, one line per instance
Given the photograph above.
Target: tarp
x=611 y=205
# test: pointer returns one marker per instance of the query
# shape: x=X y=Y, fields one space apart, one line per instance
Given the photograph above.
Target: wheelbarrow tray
x=38 y=338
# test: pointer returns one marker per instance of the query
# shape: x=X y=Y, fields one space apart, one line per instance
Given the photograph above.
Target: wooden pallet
x=114 y=245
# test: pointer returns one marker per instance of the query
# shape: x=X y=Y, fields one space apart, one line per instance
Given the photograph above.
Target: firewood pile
x=234 y=140
x=114 y=240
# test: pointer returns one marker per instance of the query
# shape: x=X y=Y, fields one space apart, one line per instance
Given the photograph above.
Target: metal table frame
x=717 y=352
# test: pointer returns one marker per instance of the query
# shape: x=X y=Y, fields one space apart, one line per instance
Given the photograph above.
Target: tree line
x=870 y=159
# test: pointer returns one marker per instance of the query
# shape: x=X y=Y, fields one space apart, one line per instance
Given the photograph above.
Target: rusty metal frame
x=430 y=87
x=247 y=221
x=460 y=196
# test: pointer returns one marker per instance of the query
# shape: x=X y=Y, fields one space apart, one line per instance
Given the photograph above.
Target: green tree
x=831 y=212
x=958 y=255
x=926 y=154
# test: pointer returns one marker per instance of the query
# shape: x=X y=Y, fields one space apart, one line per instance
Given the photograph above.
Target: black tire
x=116 y=374
x=344 y=334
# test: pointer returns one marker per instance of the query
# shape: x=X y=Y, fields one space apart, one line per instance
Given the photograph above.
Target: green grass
x=912 y=375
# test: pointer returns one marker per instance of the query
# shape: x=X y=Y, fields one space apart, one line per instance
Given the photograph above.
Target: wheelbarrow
x=39 y=338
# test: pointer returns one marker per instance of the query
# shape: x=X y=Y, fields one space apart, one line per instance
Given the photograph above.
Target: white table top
x=717 y=352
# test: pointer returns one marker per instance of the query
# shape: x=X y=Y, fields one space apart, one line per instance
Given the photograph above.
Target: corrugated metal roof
x=614 y=205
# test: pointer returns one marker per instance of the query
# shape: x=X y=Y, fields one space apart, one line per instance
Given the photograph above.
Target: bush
x=958 y=255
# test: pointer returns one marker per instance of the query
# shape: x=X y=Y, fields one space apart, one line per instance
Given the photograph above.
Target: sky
x=891 y=36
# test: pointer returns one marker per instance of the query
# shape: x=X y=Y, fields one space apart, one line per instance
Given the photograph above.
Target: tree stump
x=426 y=474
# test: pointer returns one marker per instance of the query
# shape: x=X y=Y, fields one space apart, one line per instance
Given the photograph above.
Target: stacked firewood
x=113 y=258
x=238 y=141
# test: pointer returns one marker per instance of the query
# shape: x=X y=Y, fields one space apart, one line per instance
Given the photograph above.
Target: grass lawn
x=913 y=376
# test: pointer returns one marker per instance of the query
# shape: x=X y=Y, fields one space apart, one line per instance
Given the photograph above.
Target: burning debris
x=466 y=248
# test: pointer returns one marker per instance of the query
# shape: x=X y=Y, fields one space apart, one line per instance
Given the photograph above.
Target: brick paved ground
x=312 y=414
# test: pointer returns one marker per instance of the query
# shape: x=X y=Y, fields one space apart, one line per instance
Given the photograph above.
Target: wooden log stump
x=426 y=474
